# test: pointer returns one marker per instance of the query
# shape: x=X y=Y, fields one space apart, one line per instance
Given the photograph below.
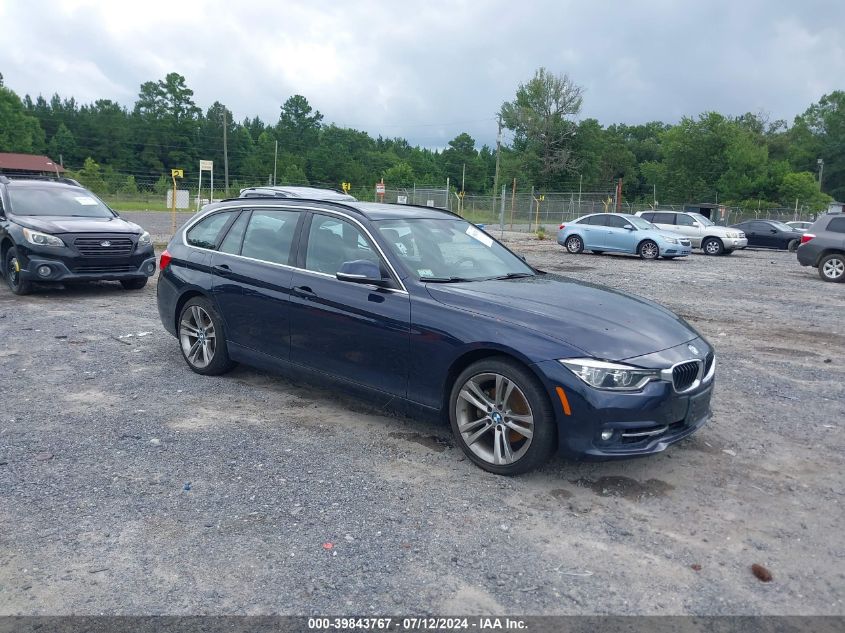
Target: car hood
x=61 y=224
x=604 y=323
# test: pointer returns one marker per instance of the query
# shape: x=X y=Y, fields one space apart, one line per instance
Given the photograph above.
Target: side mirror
x=522 y=257
x=628 y=227
x=773 y=230
x=697 y=225
x=360 y=271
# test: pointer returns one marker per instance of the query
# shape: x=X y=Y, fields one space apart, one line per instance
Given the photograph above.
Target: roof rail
x=4 y=180
x=69 y=181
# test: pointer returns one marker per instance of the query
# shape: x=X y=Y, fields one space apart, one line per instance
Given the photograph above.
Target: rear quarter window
x=837 y=225
x=206 y=232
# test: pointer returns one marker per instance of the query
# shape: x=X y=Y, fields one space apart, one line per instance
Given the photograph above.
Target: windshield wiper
x=444 y=280
x=514 y=276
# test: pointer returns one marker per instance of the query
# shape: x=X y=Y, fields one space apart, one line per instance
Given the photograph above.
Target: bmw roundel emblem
x=693 y=349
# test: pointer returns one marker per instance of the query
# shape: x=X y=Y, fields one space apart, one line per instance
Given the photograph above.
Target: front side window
x=206 y=233
x=704 y=221
x=269 y=235
x=685 y=220
x=444 y=250
x=57 y=201
x=617 y=222
x=332 y=241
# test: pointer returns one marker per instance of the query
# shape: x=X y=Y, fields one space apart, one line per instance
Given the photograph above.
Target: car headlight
x=145 y=239
x=671 y=240
x=41 y=239
x=611 y=376
x=732 y=234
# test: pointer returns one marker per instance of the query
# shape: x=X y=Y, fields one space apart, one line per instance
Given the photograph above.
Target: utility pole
x=580 y=180
x=275 y=157
x=820 y=163
x=463 y=180
x=225 y=153
x=498 y=151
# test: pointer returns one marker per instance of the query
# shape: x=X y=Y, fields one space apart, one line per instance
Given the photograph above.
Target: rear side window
x=597 y=220
x=837 y=225
x=647 y=216
x=269 y=235
x=664 y=218
x=232 y=242
x=206 y=233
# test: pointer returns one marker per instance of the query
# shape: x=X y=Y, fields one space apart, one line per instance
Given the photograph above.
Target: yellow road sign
x=177 y=173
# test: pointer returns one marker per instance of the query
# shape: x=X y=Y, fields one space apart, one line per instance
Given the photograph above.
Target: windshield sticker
x=425 y=272
x=478 y=235
x=87 y=201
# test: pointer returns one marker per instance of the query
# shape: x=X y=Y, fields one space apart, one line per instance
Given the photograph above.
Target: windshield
x=449 y=250
x=57 y=201
x=704 y=221
x=640 y=223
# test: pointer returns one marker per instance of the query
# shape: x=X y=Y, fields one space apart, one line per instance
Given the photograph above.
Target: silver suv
x=711 y=238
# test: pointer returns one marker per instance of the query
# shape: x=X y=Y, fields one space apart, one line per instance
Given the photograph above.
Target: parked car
x=621 y=233
x=58 y=231
x=823 y=246
x=702 y=233
x=770 y=234
x=310 y=193
x=800 y=226
x=417 y=305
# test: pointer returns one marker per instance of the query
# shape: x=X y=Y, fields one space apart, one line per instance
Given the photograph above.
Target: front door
x=344 y=329
x=617 y=237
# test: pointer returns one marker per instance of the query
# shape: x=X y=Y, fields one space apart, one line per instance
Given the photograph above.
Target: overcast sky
x=427 y=71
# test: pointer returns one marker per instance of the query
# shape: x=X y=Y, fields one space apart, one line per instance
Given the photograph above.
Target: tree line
x=748 y=160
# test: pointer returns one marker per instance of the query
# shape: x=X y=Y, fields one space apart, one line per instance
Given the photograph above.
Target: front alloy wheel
x=712 y=246
x=201 y=338
x=501 y=417
x=649 y=250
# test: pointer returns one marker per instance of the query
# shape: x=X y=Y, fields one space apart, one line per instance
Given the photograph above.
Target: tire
x=712 y=246
x=495 y=441
x=574 y=244
x=648 y=249
x=832 y=267
x=202 y=338
x=134 y=284
x=793 y=245
x=11 y=270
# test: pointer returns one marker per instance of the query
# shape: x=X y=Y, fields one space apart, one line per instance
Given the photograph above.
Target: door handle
x=222 y=269
x=305 y=291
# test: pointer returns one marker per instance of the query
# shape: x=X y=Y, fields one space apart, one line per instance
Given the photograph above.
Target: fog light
x=606 y=435
x=151 y=268
x=44 y=271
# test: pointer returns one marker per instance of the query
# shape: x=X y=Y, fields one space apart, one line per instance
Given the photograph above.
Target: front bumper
x=675 y=250
x=642 y=423
x=733 y=243
x=66 y=264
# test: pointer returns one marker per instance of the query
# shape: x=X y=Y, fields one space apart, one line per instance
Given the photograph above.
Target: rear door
x=252 y=279
x=594 y=232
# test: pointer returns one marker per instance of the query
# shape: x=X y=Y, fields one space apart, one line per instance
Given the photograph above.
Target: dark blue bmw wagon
x=417 y=304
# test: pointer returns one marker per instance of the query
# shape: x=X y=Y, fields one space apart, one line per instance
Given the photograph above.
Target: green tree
x=801 y=188
x=399 y=175
x=299 y=124
x=541 y=119
x=19 y=132
x=91 y=177
x=63 y=145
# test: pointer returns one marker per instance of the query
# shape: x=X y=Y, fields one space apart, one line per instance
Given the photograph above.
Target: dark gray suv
x=823 y=247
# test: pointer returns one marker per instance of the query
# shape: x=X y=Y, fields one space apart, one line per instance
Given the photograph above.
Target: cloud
x=427 y=71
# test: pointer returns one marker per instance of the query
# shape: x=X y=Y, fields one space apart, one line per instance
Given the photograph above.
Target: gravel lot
x=130 y=485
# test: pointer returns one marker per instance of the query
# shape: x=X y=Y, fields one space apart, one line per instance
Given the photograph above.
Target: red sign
x=380 y=188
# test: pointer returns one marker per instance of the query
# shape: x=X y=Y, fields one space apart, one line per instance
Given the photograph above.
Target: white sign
x=183 y=198
x=478 y=235
x=429 y=203
x=380 y=188
x=206 y=165
x=86 y=201
x=402 y=199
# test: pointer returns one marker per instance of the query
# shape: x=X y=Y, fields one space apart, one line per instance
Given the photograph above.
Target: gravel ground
x=130 y=485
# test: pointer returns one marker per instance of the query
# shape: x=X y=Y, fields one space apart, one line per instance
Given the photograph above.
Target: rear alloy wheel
x=201 y=338
x=713 y=246
x=648 y=250
x=832 y=267
x=574 y=244
x=134 y=284
x=501 y=417
x=793 y=245
x=12 y=269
